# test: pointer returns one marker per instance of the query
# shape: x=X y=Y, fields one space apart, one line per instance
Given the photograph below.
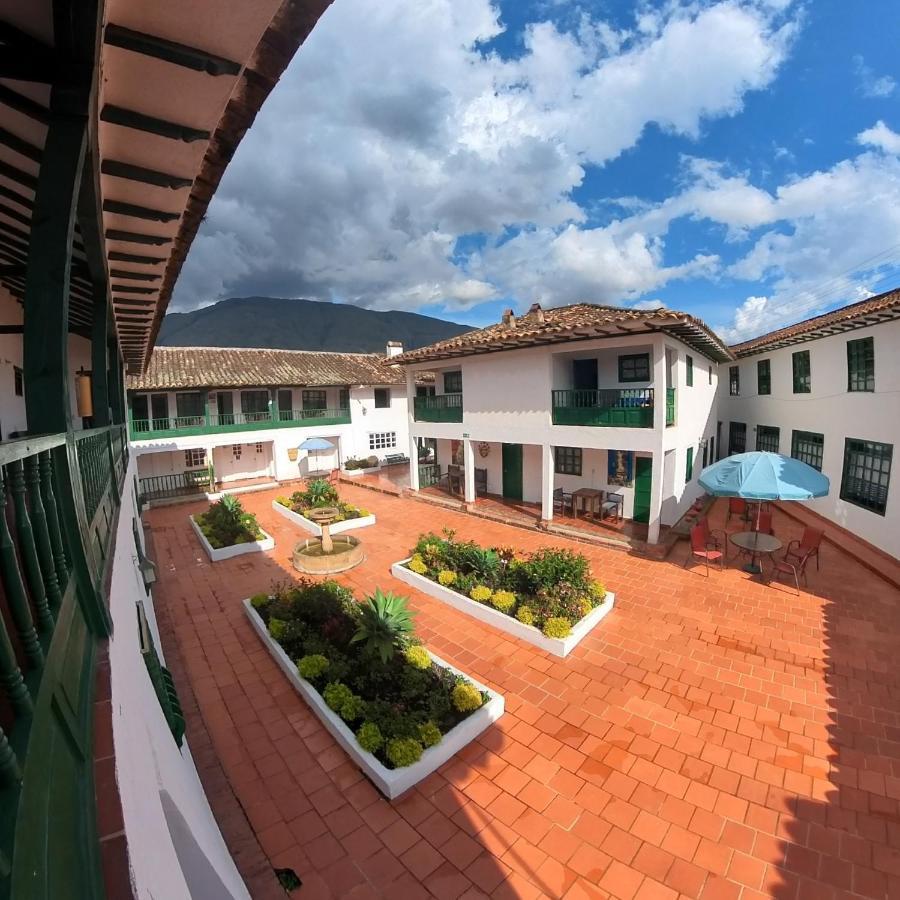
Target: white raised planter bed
x=391 y=782
x=352 y=473
x=268 y=543
x=314 y=529
x=529 y=633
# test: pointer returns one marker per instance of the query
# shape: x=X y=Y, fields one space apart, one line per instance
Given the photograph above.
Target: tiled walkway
x=713 y=738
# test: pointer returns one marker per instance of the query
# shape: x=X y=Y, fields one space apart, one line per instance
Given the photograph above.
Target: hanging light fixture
x=83 y=394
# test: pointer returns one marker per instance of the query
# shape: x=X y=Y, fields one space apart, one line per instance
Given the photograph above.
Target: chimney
x=509 y=318
x=394 y=348
x=536 y=311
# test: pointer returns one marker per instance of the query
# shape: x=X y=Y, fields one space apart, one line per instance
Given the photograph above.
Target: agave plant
x=383 y=622
x=320 y=493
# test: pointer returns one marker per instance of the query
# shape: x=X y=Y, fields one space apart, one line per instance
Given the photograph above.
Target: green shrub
x=352 y=709
x=225 y=524
x=336 y=695
x=503 y=600
x=312 y=666
x=557 y=627
x=417 y=656
x=480 y=593
x=403 y=752
x=429 y=734
x=369 y=737
x=548 y=567
x=597 y=592
x=371 y=462
x=466 y=697
x=384 y=620
x=525 y=615
x=277 y=628
x=257 y=601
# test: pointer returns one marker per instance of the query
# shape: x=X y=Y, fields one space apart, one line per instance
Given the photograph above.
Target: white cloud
x=879 y=135
x=392 y=134
x=872 y=85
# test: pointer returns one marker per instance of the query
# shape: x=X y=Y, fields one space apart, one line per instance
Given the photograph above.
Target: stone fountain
x=327 y=555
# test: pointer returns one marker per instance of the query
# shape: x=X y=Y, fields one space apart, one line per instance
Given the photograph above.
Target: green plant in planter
x=403 y=751
x=384 y=621
x=225 y=523
x=369 y=737
x=320 y=493
x=429 y=734
x=557 y=627
x=466 y=697
x=257 y=601
x=312 y=666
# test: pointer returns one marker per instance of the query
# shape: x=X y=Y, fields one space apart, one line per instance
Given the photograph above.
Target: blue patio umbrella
x=763 y=476
x=316 y=444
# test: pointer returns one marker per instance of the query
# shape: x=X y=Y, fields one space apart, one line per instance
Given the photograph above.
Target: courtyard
x=714 y=737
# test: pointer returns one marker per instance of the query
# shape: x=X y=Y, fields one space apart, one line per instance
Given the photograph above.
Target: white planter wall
x=557 y=646
x=217 y=555
x=315 y=529
x=391 y=782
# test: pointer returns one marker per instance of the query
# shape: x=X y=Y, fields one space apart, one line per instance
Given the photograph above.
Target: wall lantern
x=148 y=572
x=83 y=394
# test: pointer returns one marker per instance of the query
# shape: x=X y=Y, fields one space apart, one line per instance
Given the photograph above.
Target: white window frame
x=190 y=457
x=382 y=440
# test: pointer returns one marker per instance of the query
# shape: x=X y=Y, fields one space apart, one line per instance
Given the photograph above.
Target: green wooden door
x=643 y=467
x=512 y=471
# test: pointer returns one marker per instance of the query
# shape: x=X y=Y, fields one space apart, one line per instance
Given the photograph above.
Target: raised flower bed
x=548 y=599
x=367 y=466
x=225 y=530
x=398 y=710
x=319 y=494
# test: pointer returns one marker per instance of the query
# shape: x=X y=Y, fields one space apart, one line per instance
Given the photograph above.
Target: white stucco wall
x=507 y=398
x=12 y=408
x=148 y=761
x=829 y=409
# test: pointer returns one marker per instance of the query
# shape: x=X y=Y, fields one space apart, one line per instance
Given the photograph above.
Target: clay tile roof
x=171 y=368
x=580 y=321
x=857 y=315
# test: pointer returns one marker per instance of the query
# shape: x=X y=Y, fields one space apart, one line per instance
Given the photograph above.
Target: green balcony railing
x=429 y=474
x=616 y=407
x=222 y=423
x=670 y=406
x=179 y=484
x=438 y=408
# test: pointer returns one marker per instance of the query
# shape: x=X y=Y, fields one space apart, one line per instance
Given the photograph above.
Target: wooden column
x=100 y=386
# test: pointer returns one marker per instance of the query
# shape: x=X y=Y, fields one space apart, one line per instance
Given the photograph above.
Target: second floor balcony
x=222 y=423
x=438 y=408
x=610 y=407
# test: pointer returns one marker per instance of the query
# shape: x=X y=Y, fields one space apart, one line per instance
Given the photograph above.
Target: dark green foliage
x=384 y=621
x=392 y=694
x=225 y=523
x=551 y=582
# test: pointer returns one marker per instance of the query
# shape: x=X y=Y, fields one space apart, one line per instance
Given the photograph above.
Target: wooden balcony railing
x=222 y=423
x=615 y=407
x=59 y=496
x=438 y=408
x=180 y=484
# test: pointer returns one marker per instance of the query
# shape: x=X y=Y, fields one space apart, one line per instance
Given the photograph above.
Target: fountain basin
x=310 y=558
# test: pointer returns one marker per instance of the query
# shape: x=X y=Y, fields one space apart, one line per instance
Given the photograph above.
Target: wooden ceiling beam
x=134 y=276
x=132 y=210
x=133 y=237
x=170 y=51
x=119 y=256
x=145 y=176
x=129 y=118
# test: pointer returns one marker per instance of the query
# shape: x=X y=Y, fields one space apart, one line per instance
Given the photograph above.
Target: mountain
x=284 y=324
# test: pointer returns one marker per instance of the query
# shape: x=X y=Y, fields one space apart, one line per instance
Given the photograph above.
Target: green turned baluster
x=15 y=589
x=11 y=680
x=42 y=533
x=27 y=547
x=52 y=511
x=10 y=773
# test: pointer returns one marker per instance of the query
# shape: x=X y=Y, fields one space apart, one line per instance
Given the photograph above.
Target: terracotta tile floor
x=713 y=738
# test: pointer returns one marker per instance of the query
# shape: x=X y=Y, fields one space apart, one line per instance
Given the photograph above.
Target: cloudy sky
x=737 y=160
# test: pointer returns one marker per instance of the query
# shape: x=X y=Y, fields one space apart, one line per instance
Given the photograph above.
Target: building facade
x=227 y=416
x=827 y=391
x=581 y=396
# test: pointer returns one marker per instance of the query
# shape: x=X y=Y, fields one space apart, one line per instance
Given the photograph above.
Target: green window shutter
x=767 y=438
x=161 y=679
x=808 y=447
x=690 y=371
x=802 y=374
x=764 y=377
x=861 y=365
x=689 y=467
x=866 y=477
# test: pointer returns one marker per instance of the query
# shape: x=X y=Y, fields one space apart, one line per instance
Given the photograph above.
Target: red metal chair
x=808 y=545
x=702 y=549
x=762 y=522
x=796 y=569
x=736 y=507
x=710 y=534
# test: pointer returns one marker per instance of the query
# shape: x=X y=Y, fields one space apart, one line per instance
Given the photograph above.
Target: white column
x=659 y=429
x=547 y=478
x=413 y=447
x=468 y=470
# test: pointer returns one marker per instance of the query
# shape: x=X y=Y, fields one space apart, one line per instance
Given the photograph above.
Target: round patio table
x=756 y=544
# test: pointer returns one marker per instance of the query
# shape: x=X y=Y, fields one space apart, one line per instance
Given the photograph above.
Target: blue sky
x=737 y=160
